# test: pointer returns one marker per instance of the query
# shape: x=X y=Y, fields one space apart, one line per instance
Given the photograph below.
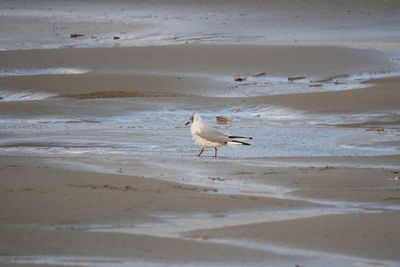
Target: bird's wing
x=212 y=135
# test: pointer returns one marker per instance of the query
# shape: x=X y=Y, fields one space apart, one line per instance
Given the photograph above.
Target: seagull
x=207 y=137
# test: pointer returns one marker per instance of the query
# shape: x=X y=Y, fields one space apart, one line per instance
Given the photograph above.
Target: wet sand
x=59 y=212
x=356 y=234
x=98 y=169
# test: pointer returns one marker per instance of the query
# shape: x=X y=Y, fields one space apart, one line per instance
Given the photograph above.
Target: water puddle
x=277 y=132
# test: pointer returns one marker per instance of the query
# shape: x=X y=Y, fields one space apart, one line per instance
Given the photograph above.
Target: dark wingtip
x=239 y=142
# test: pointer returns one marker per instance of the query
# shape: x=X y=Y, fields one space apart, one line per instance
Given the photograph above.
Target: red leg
x=215 y=155
x=201 y=152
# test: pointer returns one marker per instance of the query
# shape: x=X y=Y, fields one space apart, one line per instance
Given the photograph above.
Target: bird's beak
x=187 y=123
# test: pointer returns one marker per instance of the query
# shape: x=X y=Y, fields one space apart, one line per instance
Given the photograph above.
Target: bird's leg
x=215 y=155
x=201 y=152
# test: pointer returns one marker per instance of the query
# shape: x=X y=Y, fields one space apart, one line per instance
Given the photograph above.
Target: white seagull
x=207 y=137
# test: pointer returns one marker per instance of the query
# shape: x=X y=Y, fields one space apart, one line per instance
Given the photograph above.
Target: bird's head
x=195 y=117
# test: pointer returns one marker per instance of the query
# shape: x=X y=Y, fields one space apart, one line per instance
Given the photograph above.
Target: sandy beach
x=97 y=167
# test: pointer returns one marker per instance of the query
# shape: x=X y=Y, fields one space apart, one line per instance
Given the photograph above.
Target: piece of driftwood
x=377 y=129
x=239 y=78
x=295 y=78
x=259 y=74
x=76 y=35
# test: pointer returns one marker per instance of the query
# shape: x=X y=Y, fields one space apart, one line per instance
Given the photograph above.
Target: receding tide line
x=41 y=71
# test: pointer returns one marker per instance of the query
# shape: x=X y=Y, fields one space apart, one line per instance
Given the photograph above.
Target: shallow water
x=277 y=133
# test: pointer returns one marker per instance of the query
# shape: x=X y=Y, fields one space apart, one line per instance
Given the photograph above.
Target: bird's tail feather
x=239 y=138
x=236 y=143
